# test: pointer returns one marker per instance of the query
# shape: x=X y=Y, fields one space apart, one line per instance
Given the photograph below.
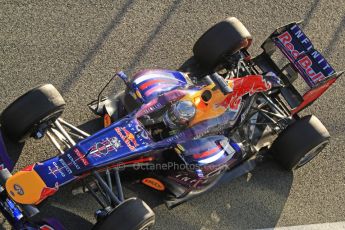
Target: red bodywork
x=312 y=95
x=242 y=86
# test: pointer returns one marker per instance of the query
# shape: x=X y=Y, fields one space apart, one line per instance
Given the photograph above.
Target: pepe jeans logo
x=19 y=190
x=154 y=183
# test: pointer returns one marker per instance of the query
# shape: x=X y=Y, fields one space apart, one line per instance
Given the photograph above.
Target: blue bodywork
x=149 y=84
x=128 y=139
x=122 y=140
x=5 y=161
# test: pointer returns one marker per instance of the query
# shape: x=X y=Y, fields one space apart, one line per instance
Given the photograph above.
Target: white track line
x=323 y=226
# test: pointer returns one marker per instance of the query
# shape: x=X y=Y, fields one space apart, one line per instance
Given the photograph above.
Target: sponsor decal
x=200 y=178
x=81 y=157
x=286 y=38
x=56 y=170
x=142 y=132
x=46 y=192
x=242 y=86
x=138 y=94
x=184 y=179
x=106 y=120
x=105 y=146
x=74 y=161
x=52 y=171
x=148 y=108
x=64 y=164
x=46 y=227
x=19 y=190
x=305 y=62
x=207 y=153
x=154 y=183
x=127 y=137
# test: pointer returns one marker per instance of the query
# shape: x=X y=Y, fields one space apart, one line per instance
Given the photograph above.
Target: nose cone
x=25 y=187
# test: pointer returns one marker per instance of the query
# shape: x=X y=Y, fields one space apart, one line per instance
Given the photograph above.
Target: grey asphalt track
x=77 y=45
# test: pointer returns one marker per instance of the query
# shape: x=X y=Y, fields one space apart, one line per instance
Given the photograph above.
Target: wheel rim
x=51 y=117
x=148 y=225
x=311 y=154
x=47 y=119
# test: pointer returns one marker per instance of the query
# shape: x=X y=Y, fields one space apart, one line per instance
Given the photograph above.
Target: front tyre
x=132 y=214
x=300 y=142
x=41 y=105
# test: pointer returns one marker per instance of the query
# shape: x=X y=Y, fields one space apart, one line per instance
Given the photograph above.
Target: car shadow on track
x=77 y=71
x=253 y=201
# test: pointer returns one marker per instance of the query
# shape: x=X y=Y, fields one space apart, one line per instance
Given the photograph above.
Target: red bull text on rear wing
x=304 y=60
x=299 y=50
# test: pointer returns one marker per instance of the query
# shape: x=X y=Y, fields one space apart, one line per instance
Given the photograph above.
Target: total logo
x=154 y=183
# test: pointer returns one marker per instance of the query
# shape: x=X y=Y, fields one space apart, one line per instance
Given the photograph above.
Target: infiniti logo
x=18 y=189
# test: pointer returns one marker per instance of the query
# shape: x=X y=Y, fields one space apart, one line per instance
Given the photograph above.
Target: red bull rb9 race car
x=214 y=121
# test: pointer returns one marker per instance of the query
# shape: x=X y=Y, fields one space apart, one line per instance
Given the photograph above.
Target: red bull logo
x=247 y=85
x=130 y=137
x=286 y=39
x=127 y=137
x=305 y=62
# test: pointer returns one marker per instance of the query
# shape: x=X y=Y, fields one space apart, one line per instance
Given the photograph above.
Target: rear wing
x=304 y=60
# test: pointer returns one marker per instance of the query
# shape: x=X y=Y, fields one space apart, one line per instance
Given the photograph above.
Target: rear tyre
x=299 y=143
x=132 y=214
x=225 y=38
x=43 y=104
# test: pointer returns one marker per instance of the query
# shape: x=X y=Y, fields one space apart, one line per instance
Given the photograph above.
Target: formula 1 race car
x=185 y=132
